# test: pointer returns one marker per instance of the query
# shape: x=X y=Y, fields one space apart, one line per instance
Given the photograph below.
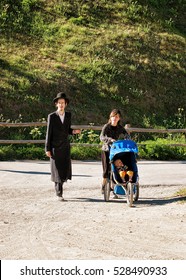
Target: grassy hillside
x=103 y=54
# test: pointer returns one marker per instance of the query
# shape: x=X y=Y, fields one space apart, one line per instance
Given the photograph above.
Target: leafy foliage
x=161 y=150
x=104 y=54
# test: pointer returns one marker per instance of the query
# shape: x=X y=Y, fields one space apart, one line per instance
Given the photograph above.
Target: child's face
x=118 y=163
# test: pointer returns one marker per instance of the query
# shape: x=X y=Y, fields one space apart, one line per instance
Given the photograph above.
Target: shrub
x=25 y=152
x=157 y=150
x=85 y=153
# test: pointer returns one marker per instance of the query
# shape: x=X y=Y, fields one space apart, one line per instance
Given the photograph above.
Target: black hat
x=61 y=95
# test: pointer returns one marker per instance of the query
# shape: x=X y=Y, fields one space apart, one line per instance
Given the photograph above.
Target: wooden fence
x=84 y=127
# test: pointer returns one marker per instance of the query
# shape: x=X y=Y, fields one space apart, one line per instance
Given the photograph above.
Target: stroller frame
x=130 y=189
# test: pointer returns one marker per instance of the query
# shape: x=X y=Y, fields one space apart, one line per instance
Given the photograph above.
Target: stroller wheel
x=129 y=194
x=107 y=190
x=136 y=191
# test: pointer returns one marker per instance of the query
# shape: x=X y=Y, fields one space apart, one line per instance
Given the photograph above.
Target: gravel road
x=35 y=225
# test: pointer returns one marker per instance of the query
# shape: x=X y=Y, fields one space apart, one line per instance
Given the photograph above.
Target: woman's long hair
x=113 y=113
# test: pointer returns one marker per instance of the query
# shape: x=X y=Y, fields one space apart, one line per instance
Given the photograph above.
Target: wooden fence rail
x=84 y=127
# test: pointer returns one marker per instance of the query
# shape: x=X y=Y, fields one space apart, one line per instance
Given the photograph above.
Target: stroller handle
x=121 y=146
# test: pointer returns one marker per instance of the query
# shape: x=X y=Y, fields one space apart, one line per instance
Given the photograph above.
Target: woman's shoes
x=103 y=185
x=115 y=196
x=102 y=189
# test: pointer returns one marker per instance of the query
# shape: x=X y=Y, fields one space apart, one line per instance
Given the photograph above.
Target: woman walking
x=111 y=132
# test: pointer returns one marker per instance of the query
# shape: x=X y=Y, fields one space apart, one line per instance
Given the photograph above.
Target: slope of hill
x=103 y=54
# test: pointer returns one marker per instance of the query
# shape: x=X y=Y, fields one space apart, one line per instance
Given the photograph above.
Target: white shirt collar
x=62 y=117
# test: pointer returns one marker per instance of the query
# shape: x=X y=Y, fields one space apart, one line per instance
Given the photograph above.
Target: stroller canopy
x=122 y=146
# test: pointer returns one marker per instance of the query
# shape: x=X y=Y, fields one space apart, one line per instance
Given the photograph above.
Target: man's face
x=61 y=104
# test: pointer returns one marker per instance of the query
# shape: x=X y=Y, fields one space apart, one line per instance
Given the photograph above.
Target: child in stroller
x=123 y=178
x=123 y=171
x=125 y=167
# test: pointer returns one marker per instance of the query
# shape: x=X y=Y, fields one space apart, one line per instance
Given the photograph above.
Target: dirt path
x=34 y=225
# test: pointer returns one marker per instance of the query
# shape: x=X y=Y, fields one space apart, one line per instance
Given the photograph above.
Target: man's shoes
x=61 y=198
x=58 y=189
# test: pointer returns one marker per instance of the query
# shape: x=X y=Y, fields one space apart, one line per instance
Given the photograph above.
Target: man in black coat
x=57 y=144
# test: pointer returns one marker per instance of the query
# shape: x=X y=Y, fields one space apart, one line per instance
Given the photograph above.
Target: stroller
x=128 y=185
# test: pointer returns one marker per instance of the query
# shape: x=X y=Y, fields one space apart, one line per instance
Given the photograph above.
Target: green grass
x=182 y=194
x=104 y=54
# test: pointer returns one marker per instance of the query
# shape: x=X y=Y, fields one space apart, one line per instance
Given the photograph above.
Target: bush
x=7 y=153
x=85 y=153
x=33 y=152
x=25 y=152
x=156 y=150
x=159 y=151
